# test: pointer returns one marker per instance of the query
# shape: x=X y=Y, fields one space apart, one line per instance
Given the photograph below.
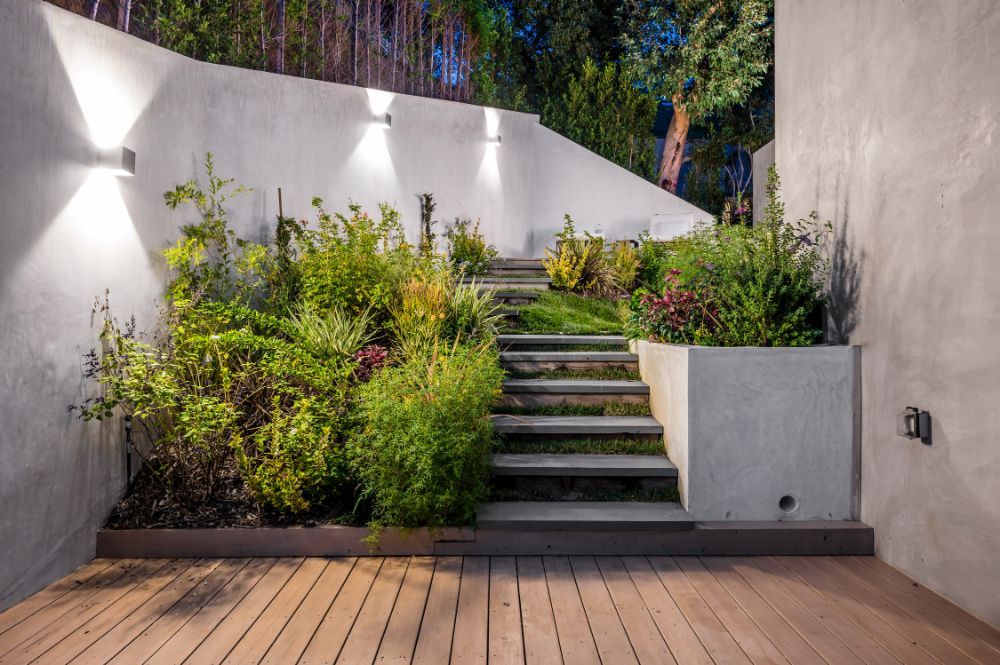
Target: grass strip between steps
x=609 y=409
x=588 y=494
x=579 y=447
x=602 y=374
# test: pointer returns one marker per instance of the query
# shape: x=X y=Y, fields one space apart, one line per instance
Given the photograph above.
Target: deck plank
x=642 y=632
x=851 y=634
x=782 y=635
x=437 y=629
x=684 y=644
x=717 y=640
x=755 y=644
x=935 y=604
x=400 y=638
x=857 y=611
x=541 y=642
x=470 y=642
x=906 y=625
x=333 y=630
x=572 y=627
x=228 y=633
x=265 y=629
x=824 y=641
x=106 y=646
x=195 y=615
x=295 y=636
x=42 y=598
x=530 y=610
x=609 y=634
x=505 y=635
x=54 y=611
x=363 y=642
x=46 y=638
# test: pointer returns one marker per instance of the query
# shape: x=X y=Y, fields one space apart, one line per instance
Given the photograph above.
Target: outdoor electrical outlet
x=912 y=423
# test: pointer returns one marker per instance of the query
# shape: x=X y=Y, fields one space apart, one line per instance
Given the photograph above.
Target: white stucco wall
x=68 y=84
x=887 y=125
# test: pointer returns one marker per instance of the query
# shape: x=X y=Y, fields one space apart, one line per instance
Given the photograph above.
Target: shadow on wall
x=845 y=285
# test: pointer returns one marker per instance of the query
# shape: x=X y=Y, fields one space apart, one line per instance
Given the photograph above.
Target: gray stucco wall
x=887 y=125
x=762 y=161
x=67 y=85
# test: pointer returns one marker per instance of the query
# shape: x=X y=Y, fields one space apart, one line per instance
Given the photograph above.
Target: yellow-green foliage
x=625 y=264
x=355 y=262
x=580 y=263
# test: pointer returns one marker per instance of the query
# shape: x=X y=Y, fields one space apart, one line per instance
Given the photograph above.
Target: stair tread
x=603 y=340
x=527 y=295
x=568 y=356
x=512 y=279
x=512 y=464
x=576 y=386
x=576 y=424
x=611 y=515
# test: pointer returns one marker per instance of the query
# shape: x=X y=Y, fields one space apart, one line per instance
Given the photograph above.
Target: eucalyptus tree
x=705 y=56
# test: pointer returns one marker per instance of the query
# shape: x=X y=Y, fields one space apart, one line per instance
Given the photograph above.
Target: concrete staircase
x=561 y=490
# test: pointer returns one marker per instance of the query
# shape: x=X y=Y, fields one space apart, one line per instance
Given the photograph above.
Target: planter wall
x=759 y=433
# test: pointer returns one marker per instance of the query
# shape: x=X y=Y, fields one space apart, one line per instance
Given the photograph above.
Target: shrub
x=422 y=446
x=579 y=263
x=296 y=458
x=624 y=263
x=420 y=316
x=468 y=250
x=760 y=286
x=473 y=313
x=354 y=262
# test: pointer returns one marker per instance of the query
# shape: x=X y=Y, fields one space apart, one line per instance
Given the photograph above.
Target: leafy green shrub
x=473 y=314
x=354 y=262
x=739 y=286
x=296 y=457
x=654 y=261
x=468 y=251
x=422 y=447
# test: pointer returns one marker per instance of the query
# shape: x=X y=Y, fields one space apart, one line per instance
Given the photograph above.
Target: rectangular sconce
x=494 y=140
x=912 y=423
x=118 y=161
x=384 y=121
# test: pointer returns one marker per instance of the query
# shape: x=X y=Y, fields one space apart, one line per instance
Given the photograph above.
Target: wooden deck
x=571 y=610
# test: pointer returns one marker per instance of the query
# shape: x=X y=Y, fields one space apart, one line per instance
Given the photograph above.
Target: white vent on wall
x=671 y=225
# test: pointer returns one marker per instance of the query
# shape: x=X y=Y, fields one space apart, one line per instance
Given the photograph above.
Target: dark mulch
x=148 y=507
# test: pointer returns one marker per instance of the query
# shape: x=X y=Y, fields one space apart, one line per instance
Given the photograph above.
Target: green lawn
x=556 y=312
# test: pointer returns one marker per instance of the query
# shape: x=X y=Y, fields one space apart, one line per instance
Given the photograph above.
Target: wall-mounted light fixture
x=383 y=120
x=119 y=161
x=912 y=423
x=494 y=140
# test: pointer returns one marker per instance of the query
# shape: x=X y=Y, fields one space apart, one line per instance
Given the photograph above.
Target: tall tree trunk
x=354 y=41
x=124 y=11
x=281 y=37
x=94 y=6
x=673 y=147
x=395 y=43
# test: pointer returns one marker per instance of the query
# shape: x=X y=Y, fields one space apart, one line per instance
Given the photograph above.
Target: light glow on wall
x=372 y=152
x=489 y=167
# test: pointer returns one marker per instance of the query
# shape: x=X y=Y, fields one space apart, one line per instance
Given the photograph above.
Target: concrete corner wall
x=887 y=126
x=749 y=426
x=68 y=86
x=762 y=161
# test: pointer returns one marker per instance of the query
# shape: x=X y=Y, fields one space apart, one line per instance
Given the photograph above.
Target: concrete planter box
x=759 y=433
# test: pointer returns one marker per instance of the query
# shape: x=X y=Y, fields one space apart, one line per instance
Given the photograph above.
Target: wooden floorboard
x=526 y=610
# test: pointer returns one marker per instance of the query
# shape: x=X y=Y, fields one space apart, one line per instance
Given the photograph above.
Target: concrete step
x=515 y=297
x=509 y=313
x=584 y=515
x=507 y=283
x=540 y=361
x=585 y=427
x=513 y=341
x=559 y=392
x=517 y=265
x=603 y=466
